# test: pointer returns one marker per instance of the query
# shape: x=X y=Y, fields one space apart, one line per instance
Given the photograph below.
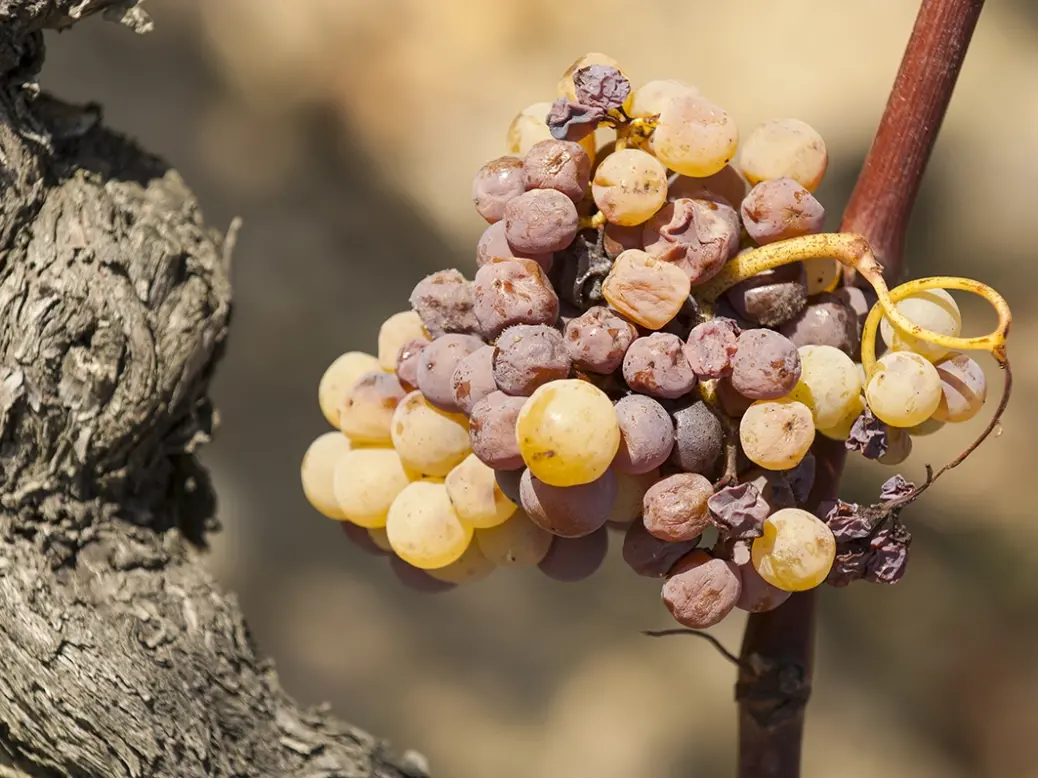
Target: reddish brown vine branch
x=777 y=651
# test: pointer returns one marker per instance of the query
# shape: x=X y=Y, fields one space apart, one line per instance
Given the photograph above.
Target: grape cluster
x=585 y=380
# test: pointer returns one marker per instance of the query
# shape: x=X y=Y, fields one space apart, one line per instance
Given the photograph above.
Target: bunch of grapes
x=652 y=342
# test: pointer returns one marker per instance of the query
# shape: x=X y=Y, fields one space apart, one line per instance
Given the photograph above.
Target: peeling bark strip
x=119 y=656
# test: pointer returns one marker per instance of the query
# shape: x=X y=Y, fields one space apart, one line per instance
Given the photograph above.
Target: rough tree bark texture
x=119 y=656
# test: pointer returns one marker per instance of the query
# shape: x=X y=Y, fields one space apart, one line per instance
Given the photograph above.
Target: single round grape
x=495 y=184
x=423 y=528
x=516 y=543
x=842 y=430
x=598 y=339
x=629 y=186
x=698 y=439
x=646 y=290
x=933 y=309
x=527 y=356
x=367 y=408
x=444 y=302
x=417 y=579
x=574 y=559
x=772 y=297
x=710 y=347
x=395 y=331
x=963 y=388
x=365 y=539
x=757 y=595
x=378 y=537
x=826 y=321
x=656 y=365
x=630 y=491
x=540 y=221
x=530 y=126
x=568 y=434
x=473 y=379
x=674 y=508
x=650 y=557
x=492 y=432
x=429 y=441
x=616 y=239
x=899 y=447
x=475 y=495
x=339 y=378
x=766 y=365
x=558 y=164
x=821 y=273
x=726 y=185
x=470 y=567
x=694 y=137
x=514 y=291
x=407 y=363
x=786 y=148
x=776 y=434
x=366 y=481
x=904 y=390
x=780 y=209
x=646 y=434
x=700 y=591
x=568 y=511
x=698 y=236
x=317 y=472
x=436 y=368
x=493 y=245
x=829 y=384
x=796 y=551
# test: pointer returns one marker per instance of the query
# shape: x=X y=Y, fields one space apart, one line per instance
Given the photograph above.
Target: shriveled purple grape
x=647 y=555
x=492 y=245
x=527 y=356
x=773 y=297
x=757 y=595
x=698 y=236
x=766 y=365
x=773 y=486
x=727 y=185
x=495 y=184
x=443 y=301
x=574 y=559
x=473 y=379
x=675 y=507
x=407 y=363
x=825 y=321
x=700 y=591
x=540 y=221
x=711 y=346
x=656 y=365
x=739 y=511
x=598 y=339
x=732 y=403
x=568 y=511
x=646 y=434
x=561 y=165
x=698 y=439
x=779 y=209
x=617 y=239
x=514 y=291
x=492 y=431
x=416 y=578
x=437 y=364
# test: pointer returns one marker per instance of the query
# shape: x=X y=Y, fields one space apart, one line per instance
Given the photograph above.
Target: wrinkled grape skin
x=675 y=507
x=698 y=236
x=646 y=434
x=598 y=339
x=473 y=379
x=514 y=291
x=527 y=356
x=568 y=511
x=493 y=245
x=772 y=297
x=710 y=347
x=443 y=301
x=574 y=559
x=558 y=164
x=766 y=365
x=656 y=365
x=407 y=363
x=540 y=221
x=826 y=321
x=646 y=290
x=700 y=591
x=650 y=557
x=437 y=365
x=963 y=388
x=492 y=432
x=495 y=184
x=780 y=209
x=698 y=439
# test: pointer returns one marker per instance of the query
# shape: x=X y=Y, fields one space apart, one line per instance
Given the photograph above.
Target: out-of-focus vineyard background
x=345 y=133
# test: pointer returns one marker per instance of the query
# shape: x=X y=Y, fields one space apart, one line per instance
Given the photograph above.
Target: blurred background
x=345 y=133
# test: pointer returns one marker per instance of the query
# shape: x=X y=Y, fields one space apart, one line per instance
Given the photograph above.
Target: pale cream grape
x=650 y=98
x=380 y=538
x=568 y=433
x=776 y=434
x=317 y=472
x=476 y=496
x=367 y=407
x=337 y=380
x=530 y=127
x=796 y=551
x=395 y=331
x=784 y=148
x=694 y=136
x=423 y=528
x=963 y=388
x=471 y=566
x=629 y=186
x=366 y=481
x=933 y=309
x=842 y=430
x=829 y=384
x=516 y=543
x=904 y=390
x=821 y=273
x=430 y=441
